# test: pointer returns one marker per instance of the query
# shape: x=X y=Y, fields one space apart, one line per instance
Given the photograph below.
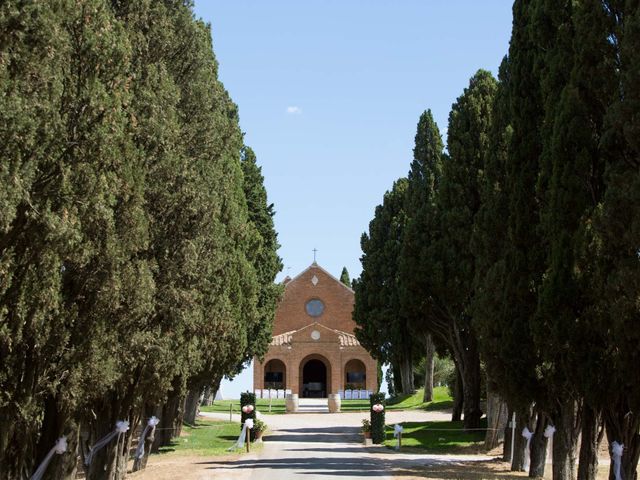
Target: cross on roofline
x=315 y=250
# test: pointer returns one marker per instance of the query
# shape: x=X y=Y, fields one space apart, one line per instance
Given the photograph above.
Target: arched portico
x=355 y=375
x=315 y=376
x=275 y=375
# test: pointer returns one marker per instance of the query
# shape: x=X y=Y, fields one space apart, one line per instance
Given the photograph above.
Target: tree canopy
x=137 y=247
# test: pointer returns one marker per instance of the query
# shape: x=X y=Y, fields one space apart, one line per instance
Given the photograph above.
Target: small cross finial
x=315 y=250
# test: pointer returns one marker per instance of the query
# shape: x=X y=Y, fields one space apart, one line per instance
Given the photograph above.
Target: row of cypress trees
x=522 y=247
x=137 y=248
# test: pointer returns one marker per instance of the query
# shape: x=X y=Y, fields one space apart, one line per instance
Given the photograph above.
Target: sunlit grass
x=441 y=400
x=206 y=437
x=443 y=436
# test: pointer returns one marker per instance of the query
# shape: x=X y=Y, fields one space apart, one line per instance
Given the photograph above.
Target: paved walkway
x=324 y=446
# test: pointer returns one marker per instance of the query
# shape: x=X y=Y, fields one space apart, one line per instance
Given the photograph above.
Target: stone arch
x=315 y=376
x=355 y=375
x=275 y=374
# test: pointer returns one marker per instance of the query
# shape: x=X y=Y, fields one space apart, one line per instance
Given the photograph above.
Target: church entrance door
x=314 y=379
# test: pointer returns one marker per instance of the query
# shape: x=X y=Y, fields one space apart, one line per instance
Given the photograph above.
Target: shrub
x=366 y=425
x=248 y=398
x=259 y=426
x=377 y=418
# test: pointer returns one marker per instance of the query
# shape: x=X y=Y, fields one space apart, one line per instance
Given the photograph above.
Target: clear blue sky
x=329 y=94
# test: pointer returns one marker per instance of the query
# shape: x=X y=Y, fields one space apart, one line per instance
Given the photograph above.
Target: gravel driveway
x=325 y=446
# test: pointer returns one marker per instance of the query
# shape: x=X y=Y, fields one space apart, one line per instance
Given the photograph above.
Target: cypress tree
x=31 y=82
x=575 y=189
x=344 y=277
x=138 y=260
x=381 y=326
x=413 y=279
x=458 y=202
x=617 y=232
x=522 y=267
x=510 y=371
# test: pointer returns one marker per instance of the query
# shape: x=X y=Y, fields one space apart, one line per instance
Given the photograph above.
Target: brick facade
x=300 y=336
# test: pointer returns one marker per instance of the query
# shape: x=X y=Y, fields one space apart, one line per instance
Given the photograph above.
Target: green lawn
x=441 y=400
x=277 y=406
x=207 y=437
x=437 y=437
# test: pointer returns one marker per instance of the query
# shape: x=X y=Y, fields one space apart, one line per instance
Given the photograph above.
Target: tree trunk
x=168 y=428
x=471 y=383
x=397 y=378
x=523 y=419
x=141 y=463
x=589 y=443
x=54 y=425
x=215 y=386
x=458 y=397
x=208 y=396
x=110 y=462
x=539 y=447
x=506 y=451
x=406 y=373
x=623 y=426
x=17 y=446
x=191 y=404
x=428 y=369
x=565 y=440
x=497 y=419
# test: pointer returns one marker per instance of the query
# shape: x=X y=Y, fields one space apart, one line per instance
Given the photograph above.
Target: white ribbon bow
x=549 y=431
x=248 y=425
x=121 y=427
x=526 y=433
x=151 y=425
x=616 y=452
x=60 y=447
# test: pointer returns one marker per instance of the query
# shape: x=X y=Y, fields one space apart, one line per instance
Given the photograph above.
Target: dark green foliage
x=247 y=398
x=616 y=227
x=382 y=328
x=264 y=255
x=136 y=243
x=421 y=230
x=499 y=336
x=377 y=418
x=451 y=257
x=388 y=377
x=344 y=277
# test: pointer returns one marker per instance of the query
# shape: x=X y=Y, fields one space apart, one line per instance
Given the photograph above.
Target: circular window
x=314 y=307
x=315 y=335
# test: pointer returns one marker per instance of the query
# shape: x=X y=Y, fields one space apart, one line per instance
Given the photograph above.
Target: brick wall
x=338 y=301
x=291 y=315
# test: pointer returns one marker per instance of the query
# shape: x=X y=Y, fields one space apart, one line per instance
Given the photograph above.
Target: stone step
x=313 y=405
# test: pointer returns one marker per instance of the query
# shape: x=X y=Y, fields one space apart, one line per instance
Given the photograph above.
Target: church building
x=314 y=351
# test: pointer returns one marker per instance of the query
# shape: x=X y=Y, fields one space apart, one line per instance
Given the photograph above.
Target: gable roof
x=315 y=265
x=345 y=339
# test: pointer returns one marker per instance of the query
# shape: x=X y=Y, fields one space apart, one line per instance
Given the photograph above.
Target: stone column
x=293 y=373
x=372 y=374
x=258 y=374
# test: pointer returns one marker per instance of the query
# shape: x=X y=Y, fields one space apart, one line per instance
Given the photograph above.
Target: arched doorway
x=275 y=375
x=355 y=375
x=315 y=377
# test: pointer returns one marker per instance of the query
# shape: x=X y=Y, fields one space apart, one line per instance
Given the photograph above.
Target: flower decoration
x=247 y=408
x=378 y=407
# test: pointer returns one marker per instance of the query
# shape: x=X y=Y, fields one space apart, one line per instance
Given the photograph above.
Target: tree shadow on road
x=312 y=435
x=344 y=467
